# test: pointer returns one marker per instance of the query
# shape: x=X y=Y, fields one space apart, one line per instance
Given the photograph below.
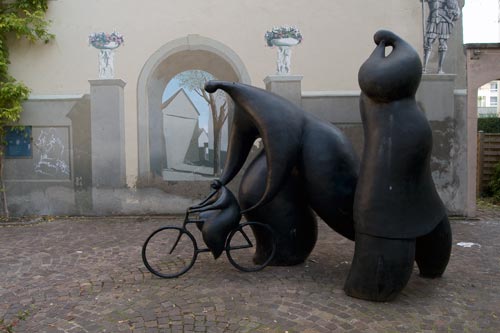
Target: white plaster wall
x=337 y=39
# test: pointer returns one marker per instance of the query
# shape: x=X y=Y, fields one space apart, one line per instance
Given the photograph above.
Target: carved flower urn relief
x=284 y=38
x=106 y=44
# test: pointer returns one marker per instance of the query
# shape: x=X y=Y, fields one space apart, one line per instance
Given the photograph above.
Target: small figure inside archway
x=442 y=14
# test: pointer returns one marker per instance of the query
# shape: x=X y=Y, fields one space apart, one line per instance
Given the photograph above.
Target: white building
x=487 y=100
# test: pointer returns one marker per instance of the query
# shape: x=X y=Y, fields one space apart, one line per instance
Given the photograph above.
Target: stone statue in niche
x=442 y=14
x=306 y=165
x=399 y=217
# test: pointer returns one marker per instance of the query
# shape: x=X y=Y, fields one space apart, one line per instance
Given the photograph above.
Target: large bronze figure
x=306 y=165
x=399 y=217
x=392 y=210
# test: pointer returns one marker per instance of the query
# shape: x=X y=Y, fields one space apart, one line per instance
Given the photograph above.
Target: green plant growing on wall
x=18 y=19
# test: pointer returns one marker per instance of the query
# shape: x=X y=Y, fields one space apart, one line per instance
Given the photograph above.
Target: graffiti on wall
x=51 y=154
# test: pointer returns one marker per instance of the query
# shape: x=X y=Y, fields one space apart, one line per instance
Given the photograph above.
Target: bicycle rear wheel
x=251 y=246
x=169 y=252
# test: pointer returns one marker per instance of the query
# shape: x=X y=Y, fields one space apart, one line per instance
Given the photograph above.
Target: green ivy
x=18 y=19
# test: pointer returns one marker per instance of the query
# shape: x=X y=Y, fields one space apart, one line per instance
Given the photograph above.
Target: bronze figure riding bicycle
x=171 y=251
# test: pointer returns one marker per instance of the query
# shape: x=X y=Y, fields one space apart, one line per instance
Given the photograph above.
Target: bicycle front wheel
x=169 y=252
x=251 y=246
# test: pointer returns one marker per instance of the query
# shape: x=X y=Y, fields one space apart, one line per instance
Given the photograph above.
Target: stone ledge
x=108 y=82
x=282 y=78
x=438 y=77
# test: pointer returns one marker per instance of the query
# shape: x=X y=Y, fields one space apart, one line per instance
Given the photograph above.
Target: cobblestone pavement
x=86 y=275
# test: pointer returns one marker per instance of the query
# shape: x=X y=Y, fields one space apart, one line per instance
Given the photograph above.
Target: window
x=494 y=86
x=18 y=142
x=493 y=100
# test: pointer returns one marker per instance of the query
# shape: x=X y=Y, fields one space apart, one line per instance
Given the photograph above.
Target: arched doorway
x=483 y=66
x=192 y=52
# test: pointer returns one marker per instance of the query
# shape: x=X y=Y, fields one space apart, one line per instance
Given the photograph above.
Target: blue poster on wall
x=18 y=142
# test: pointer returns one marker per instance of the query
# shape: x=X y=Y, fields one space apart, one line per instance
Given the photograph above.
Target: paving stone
x=86 y=275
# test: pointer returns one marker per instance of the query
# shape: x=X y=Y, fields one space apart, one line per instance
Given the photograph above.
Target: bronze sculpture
x=398 y=214
x=388 y=204
x=220 y=212
x=307 y=165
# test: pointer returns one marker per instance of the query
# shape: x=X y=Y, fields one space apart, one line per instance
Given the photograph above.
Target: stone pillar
x=287 y=86
x=449 y=163
x=436 y=95
x=107 y=133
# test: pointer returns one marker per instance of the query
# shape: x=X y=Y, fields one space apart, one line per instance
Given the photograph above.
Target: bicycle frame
x=243 y=243
x=201 y=250
x=184 y=228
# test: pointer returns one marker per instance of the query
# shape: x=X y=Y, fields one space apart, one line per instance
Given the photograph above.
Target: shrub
x=488 y=124
x=493 y=187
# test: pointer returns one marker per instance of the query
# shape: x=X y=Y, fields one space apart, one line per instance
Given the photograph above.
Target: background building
x=115 y=132
x=487 y=100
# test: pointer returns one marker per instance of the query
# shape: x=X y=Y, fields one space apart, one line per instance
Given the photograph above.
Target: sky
x=480 y=20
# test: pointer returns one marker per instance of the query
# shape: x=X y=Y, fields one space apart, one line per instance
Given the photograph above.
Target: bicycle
x=171 y=251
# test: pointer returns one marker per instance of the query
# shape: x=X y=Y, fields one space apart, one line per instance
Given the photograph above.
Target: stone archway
x=483 y=66
x=190 y=52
